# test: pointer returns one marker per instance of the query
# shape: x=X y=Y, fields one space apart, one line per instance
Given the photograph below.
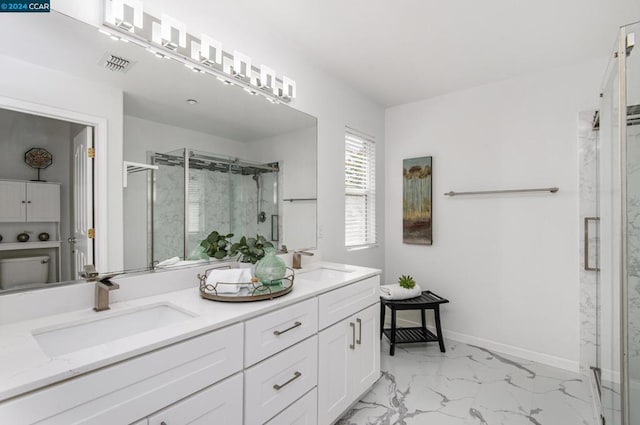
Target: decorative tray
x=248 y=291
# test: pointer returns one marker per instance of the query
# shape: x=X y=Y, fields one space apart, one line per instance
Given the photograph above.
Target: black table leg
x=382 y=311
x=436 y=312
x=424 y=323
x=392 y=350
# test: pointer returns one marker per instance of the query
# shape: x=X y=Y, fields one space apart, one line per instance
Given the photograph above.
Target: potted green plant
x=406 y=282
x=216 y=245
x=250 y=250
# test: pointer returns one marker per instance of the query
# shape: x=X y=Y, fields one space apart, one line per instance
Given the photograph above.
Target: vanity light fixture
x=167 y=37
x=125 y=14
x=169 y=27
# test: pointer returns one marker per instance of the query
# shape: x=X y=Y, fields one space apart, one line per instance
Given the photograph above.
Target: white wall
x=508 y=264
x=298 y=179
x=42 y=86
x=334 y=103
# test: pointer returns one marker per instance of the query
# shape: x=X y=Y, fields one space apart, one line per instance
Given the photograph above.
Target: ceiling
x=154 y=89
x=405 y=50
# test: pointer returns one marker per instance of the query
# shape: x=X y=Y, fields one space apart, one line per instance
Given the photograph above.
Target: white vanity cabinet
x=349 y=351
x=130 y=390
x=29 y=201
x=304 y=363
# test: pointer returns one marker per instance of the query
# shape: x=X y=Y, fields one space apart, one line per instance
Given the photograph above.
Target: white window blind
x=360 y=191
x=196 y=199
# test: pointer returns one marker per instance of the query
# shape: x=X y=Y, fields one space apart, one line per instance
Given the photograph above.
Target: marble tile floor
x=470 y=385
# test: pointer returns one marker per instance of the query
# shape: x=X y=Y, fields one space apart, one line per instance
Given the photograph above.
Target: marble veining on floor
x=470 y=385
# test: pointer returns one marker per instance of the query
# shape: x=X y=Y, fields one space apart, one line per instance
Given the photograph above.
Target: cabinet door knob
x=28 y=202
x=295 y=325
x=24 y=202
x=359 y=340
x=353 y=336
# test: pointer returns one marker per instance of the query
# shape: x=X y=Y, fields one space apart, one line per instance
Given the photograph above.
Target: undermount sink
x=97 y=330
x=324 y=274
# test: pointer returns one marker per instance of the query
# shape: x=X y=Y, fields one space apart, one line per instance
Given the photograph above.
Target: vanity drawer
x=132 y=389
x=277 y=382
x=302 y=412
x=343 y=302
x=219 y=403
x=273 y=332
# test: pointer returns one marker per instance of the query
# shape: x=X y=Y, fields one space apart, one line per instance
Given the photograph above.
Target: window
x=196 y=199
x=360 y=190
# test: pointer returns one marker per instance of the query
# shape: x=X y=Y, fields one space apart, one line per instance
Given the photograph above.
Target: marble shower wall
x=588 y=207
x=633 y=264
x=168 y=213
x=244 y=196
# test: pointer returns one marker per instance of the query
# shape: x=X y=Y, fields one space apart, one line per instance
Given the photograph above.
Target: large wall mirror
x=197 y=156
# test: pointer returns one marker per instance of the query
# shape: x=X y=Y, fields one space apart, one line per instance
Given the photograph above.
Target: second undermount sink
x=97 y=330
x=324 y=273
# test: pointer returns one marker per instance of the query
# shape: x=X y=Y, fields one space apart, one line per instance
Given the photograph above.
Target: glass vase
x=271 y=268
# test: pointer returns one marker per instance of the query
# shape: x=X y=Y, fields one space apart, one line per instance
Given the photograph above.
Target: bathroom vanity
x=174 y=358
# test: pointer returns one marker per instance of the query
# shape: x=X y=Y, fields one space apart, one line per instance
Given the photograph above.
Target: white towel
x=228 y=276
x=397 y=292
x=168 y=262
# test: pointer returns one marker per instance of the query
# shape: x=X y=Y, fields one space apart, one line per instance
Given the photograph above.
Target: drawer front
x=277 y=382
x=271 y=333
x=336 y=305
x=220 y=403
x=302 y=412
x=130 y=390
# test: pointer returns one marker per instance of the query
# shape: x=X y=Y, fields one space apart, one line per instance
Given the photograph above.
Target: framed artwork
x=417 y=201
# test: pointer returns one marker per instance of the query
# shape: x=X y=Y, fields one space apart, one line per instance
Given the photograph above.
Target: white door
x=366 y=366
x=43 y=202
x=81 y=243
x=13 y=201
x=336 y=347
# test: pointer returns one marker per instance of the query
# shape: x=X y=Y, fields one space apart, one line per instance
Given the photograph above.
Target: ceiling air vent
x=116 y=63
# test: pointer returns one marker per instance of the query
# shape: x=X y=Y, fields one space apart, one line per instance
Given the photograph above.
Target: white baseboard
x=547 y=359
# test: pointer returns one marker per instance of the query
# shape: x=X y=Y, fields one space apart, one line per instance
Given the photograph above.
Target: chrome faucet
x=103 y=287
x=297 y=259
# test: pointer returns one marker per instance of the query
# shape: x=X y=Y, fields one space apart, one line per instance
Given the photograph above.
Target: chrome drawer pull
x=586 y=244
x=359 y=340
x=295 y=376
x=352 y=346
x=295 y=325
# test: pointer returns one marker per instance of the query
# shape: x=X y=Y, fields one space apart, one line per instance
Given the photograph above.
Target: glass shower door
x=608 y=318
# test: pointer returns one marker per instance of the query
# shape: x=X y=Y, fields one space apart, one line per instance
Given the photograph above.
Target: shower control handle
x=586 y=244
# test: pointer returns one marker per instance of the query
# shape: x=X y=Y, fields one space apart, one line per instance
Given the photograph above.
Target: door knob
x=72 y=240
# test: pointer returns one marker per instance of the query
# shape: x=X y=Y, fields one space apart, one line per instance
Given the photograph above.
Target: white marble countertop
x=25 y=367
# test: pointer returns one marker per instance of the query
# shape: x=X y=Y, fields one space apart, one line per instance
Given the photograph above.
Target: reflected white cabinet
x=349 y=362
x=29 y=201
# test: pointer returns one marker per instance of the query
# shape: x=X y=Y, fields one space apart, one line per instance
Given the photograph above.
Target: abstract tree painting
x=416 y=201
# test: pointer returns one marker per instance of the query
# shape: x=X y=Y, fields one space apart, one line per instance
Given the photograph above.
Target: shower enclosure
x=195 y=193
x=614 y=262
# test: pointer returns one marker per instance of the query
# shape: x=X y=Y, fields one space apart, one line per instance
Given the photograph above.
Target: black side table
x=426 y=301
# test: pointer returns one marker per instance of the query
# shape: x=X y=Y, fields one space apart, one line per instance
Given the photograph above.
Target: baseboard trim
x=547 y=359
